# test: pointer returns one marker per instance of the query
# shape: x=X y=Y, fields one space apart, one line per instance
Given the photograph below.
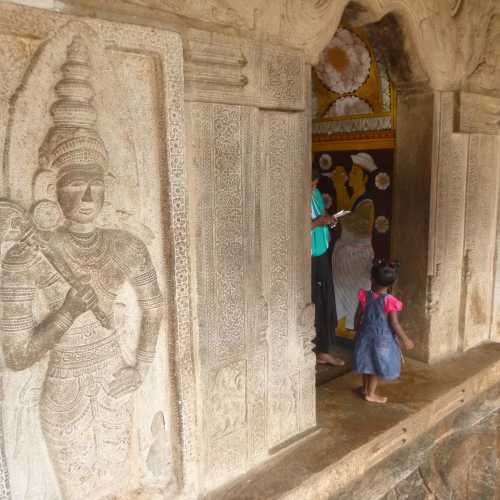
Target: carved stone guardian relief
x=94 y=285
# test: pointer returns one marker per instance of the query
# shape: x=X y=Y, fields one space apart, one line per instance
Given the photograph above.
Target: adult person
x=353 y=253
x=327 y=190
x=322 y=291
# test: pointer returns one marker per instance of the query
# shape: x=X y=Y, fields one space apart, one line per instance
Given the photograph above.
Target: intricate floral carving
x=228 y=400
x=306 y=327
x=283 y=77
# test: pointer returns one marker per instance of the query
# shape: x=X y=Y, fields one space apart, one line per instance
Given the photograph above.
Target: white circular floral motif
x=382 y=181
x=348 y=105
x=382 y=224
x=344 y=64
x=325 y=162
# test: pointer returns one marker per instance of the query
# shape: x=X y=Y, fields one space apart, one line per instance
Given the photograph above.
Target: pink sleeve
x=392 y=304
x=362 y=299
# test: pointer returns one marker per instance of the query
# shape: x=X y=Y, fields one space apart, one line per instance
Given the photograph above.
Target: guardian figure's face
x=80 y=193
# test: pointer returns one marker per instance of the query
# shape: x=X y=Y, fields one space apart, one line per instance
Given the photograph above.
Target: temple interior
x=158 y=322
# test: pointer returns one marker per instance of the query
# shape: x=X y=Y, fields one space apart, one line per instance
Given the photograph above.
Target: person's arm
x=323 y=220
x=400 y=333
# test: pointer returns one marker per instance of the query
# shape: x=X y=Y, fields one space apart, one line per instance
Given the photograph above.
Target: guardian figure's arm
x=24 y=342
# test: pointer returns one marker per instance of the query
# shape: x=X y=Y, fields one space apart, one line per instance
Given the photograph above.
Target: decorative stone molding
x=214 y=65
x=308 y=26
x=225 y=69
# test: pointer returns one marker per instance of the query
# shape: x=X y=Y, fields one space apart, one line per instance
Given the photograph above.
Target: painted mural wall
x=353 y=148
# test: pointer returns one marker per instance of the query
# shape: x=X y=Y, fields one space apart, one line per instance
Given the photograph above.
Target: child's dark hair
x=385 y=273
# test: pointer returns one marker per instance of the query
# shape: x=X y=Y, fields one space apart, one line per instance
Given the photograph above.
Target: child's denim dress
x=376 y=351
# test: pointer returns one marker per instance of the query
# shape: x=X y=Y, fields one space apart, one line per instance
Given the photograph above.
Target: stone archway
x=435 y=162
x=412 y=158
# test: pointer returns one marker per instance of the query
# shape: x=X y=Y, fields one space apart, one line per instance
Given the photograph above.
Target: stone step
x=364 y=450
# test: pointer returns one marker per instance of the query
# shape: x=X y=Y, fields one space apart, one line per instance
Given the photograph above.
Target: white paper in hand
x=341 y=214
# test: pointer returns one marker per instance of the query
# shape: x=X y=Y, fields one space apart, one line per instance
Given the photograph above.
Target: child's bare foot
x=361 y=391
x=375 y=398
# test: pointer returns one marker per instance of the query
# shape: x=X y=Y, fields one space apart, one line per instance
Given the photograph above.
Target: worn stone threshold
x=355 y=436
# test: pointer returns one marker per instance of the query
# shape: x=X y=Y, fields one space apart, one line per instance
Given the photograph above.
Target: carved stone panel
x=480 y=238
x=94 y=283
x=446 y=234
x=283 y=81
x=226 y=421
x=285 y=247
x=232 y=313
x=411 y=201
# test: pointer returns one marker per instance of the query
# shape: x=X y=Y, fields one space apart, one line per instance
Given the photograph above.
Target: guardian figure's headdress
x=73 y=141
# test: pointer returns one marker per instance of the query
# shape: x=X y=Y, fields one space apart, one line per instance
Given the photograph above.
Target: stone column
x=462 y=234
x=411 y=207
x=248 y=170
x=445 y=219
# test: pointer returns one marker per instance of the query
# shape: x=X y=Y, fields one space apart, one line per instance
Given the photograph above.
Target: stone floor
x=354 y=437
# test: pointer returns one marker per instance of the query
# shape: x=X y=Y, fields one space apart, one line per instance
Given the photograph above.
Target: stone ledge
x=357 y=438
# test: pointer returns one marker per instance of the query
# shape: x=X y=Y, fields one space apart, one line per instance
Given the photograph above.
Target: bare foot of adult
x=375 y=398
x=324 y=358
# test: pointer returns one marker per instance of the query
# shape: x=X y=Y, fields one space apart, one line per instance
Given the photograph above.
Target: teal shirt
x=320 y=236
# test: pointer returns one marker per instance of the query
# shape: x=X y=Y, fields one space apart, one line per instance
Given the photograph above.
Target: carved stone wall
x=285 y=277
x=245 y=326
x=99 y=392
x=227 y=69
x=248 y=213
x=232 y=314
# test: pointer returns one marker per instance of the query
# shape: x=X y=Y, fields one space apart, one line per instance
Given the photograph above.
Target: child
x=379 y=335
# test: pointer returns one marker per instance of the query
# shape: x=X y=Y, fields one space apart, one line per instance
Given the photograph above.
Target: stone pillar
x=248 y=172
x=411 y=207
x=477 y=118
x=445 y=219
x=462 y=237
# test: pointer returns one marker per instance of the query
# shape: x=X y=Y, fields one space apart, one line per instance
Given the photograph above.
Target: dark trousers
x=323 y=297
